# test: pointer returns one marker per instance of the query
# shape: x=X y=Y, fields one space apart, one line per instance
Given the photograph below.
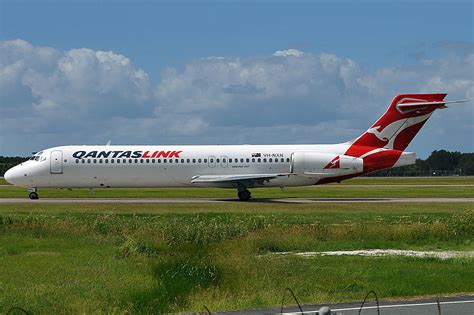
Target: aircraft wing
x=248 y=179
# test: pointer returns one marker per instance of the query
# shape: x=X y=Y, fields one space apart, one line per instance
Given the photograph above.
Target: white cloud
x=45 y=81
x=51 y=97
x=288 y=52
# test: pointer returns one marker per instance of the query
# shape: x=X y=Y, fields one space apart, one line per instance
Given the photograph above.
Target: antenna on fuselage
x=108 y=143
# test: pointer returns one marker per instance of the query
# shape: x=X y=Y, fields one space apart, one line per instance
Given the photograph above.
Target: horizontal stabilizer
x=409 y=106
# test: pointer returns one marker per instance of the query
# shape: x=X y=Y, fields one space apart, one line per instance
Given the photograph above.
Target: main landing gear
x=244 y=195
x=33 y=194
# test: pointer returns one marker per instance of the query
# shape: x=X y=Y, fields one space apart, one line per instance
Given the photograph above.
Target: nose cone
x=13 y=176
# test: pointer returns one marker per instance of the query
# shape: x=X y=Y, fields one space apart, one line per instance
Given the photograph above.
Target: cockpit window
x=38 y=157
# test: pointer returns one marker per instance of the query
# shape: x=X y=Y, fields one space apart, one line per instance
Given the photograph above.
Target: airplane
x=239 y=167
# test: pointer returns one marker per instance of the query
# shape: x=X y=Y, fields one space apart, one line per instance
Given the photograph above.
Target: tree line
x=439 y=163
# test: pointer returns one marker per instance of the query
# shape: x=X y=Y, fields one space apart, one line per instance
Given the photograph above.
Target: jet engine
x=320 y=164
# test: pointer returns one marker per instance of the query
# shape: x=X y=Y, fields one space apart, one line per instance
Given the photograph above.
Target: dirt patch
x=386 y=252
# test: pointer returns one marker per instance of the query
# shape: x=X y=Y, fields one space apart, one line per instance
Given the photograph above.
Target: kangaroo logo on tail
x=379 y=134
x=399 y=124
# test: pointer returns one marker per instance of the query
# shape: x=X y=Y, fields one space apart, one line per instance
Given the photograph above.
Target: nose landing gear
x=33 y=194
x=244 y=195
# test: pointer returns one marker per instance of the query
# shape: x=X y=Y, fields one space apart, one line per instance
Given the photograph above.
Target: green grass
x=140 y=258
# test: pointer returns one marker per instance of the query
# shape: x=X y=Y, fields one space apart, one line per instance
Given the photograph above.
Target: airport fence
x=325 y=310
x=310 y=309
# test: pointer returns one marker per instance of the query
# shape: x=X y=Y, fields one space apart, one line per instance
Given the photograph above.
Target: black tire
x=33 y=196
x=244 y=195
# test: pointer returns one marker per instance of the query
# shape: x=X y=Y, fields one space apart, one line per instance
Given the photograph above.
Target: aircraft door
x=56 y=162
x=212 y=161
x=224 y=161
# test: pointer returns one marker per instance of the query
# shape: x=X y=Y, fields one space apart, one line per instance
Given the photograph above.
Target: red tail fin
x=399 y=125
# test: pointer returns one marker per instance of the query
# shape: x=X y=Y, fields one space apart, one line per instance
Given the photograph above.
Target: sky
x=228 y=72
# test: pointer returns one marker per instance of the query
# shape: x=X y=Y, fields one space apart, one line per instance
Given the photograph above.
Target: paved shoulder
x=221 y=200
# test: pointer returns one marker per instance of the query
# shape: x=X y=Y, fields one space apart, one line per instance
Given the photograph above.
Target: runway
x=459 y=305
x=221 y=200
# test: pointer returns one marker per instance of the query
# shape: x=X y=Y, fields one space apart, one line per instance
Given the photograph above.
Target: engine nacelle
x=320 y=164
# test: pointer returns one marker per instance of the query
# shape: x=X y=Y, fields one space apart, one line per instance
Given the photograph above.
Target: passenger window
x=253 y=160
x=188 y=161
x=153 y=161
x=270 y=160
x=83 y=161
x=100 y=161
x=223 y=160
x=136 y=161
x=205 y=160
x=112 y=161
x=124 y=161
x=194 y=160
x=95 y=161
x=265 y=160
x=217 y=160
x=141 y=161
x=147 y=161
x=199 y=160
x=212 y=160
x=118 y=161
x=247 y=160
x=282 y=160
x=259 y=160
x=77 y=160
x=241 y=160
x=287 y=160
x=106 y=161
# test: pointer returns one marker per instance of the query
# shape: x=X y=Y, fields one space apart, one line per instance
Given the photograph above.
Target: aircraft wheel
x=244 y=195
x=34 y=195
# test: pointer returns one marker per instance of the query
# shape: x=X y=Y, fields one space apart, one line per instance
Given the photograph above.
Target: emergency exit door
x=56 y=162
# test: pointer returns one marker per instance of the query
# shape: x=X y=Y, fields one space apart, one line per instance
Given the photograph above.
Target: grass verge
x=171 y=258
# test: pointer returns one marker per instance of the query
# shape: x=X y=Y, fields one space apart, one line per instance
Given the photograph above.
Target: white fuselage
x=135 y=166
